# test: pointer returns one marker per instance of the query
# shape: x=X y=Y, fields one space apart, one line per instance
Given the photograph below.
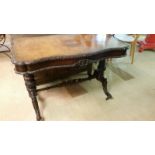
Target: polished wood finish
x=62 y=56
x=99 y=74
x=60 y=45
x=50 y=50
x=31 y=88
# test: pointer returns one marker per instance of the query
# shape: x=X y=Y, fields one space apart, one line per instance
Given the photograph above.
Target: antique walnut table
x=46 y=58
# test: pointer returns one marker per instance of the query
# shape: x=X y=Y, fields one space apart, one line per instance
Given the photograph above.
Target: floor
x=132 y=87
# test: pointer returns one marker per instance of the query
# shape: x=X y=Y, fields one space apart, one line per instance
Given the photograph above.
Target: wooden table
x=35 y=55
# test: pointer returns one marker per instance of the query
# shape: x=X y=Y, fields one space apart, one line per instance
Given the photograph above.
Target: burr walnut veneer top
x=27 y=48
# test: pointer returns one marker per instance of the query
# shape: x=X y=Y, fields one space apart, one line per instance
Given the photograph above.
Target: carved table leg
x=99 y=73
x=31 y=88
x=89 y=71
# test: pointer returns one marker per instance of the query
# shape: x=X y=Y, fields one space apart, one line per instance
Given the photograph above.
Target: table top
x=29 y=48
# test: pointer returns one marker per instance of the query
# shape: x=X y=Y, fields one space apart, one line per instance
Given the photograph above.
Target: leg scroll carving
x=99 y=73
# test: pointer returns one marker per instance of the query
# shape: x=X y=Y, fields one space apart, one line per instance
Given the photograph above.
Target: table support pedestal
x=31 y=88
x=99 y=73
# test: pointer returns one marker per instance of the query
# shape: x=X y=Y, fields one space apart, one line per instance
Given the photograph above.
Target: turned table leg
x=89 y=70
x=99 y=73
x=31 y=88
